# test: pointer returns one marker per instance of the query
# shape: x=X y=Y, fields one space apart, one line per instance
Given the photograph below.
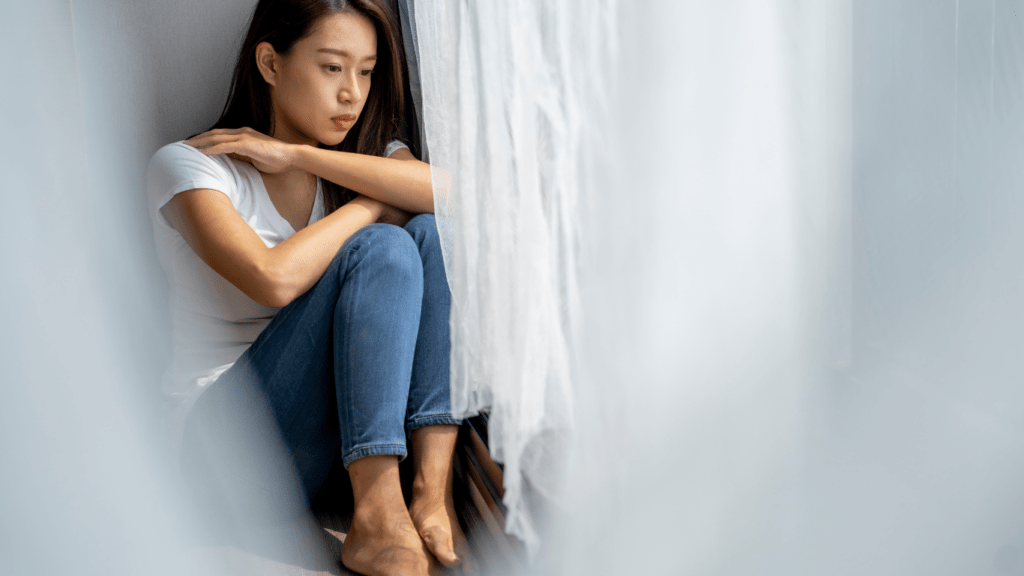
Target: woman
x=296 y=295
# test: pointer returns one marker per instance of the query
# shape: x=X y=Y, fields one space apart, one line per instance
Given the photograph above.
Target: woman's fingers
x=264 y=152
x=227 y=131
x=225 y=148
x=227 y=144
x=264 y=160
x=205 y=137
x=211 y=139
x=240 y=158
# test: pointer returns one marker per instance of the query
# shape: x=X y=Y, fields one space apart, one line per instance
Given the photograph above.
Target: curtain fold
x=503 y=97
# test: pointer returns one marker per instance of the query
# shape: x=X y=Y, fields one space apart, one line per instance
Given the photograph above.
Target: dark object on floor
x=479 y=488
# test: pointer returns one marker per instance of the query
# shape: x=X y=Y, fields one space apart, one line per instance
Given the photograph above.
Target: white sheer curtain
x=648 y=160
x=793 y=231
x=506 y=87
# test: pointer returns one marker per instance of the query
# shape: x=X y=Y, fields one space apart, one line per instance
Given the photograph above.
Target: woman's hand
x=384 y=213
x=391 y=215
x=267 y=154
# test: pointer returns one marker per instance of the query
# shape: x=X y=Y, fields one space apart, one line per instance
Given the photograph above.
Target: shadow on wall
x=97 y=87
x=150 y=73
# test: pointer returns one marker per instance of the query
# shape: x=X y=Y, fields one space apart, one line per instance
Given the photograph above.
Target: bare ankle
x=430 y=488
x=379 y=516
x=432 y=451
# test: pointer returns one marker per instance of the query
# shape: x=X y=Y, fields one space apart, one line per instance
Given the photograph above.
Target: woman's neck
x=292 y=181
x=285 y=132
x=293 y=194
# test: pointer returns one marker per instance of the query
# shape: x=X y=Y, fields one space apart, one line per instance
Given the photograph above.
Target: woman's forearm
x=297 y=263
x=403 y=184
x=274 y=276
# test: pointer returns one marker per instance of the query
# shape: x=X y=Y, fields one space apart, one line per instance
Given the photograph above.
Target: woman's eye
x=366 y=72
x=333 y=68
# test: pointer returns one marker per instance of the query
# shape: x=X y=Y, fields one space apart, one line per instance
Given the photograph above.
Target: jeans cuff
x=430 y=420
x=374 y=450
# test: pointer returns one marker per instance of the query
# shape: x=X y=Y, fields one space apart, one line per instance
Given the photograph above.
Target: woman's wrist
x=374 y=207
x=298 y=155
x=309 y=158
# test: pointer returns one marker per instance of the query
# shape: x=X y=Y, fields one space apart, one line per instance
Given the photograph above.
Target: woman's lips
x=344 y=122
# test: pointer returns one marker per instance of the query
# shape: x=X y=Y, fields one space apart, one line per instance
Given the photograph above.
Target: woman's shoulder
x=181 y=155
x=393 y=146
x=177 y=167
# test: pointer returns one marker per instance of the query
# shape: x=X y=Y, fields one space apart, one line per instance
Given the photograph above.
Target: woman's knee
x=389 y=246
x=423 y=229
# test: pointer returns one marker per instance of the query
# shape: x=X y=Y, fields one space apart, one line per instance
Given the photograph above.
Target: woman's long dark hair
x=282 y=23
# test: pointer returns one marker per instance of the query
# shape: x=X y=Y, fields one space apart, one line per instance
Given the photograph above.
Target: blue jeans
x=355 y=363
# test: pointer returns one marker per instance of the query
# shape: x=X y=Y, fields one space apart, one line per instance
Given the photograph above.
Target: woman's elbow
x=273 y=299
x=273 y=289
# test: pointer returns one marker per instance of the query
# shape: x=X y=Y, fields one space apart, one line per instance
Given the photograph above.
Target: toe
x=439 y=543
x=466 y=561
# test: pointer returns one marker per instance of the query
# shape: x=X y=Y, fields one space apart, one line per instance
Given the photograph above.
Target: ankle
x=430 y=488
x=375 y=478
x=433 y=448
x=380 y=516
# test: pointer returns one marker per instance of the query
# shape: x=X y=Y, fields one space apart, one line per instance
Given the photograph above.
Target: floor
x=311 y=545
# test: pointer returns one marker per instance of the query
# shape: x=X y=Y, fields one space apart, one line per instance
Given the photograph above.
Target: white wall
x=150 y=73
x=91 y=90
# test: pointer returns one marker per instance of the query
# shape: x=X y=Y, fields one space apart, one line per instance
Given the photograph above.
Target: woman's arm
x=401 y=181
x=209 y=223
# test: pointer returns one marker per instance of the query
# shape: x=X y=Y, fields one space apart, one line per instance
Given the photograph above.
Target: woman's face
x=319 y=88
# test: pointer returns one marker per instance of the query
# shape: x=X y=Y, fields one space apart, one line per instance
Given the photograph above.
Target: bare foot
x=438 y=525
x=385 y=544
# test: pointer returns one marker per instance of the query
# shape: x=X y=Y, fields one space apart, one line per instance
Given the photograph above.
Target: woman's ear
x=267 y=61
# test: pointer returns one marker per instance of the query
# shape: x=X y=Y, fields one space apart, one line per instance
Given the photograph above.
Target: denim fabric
x=356 y=362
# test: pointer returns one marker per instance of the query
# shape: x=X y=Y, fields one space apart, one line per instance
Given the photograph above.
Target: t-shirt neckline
x=261 y=186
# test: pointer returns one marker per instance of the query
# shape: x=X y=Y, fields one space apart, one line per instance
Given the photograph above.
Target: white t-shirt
x=213 y=322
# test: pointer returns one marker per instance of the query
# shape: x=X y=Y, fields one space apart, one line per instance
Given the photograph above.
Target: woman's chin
x=333 y=139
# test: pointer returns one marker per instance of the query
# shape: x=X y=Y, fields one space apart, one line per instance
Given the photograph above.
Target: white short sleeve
x=178 y=167
x=394 y=146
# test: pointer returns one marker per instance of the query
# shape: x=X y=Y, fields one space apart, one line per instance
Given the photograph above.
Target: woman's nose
x=349 y=91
